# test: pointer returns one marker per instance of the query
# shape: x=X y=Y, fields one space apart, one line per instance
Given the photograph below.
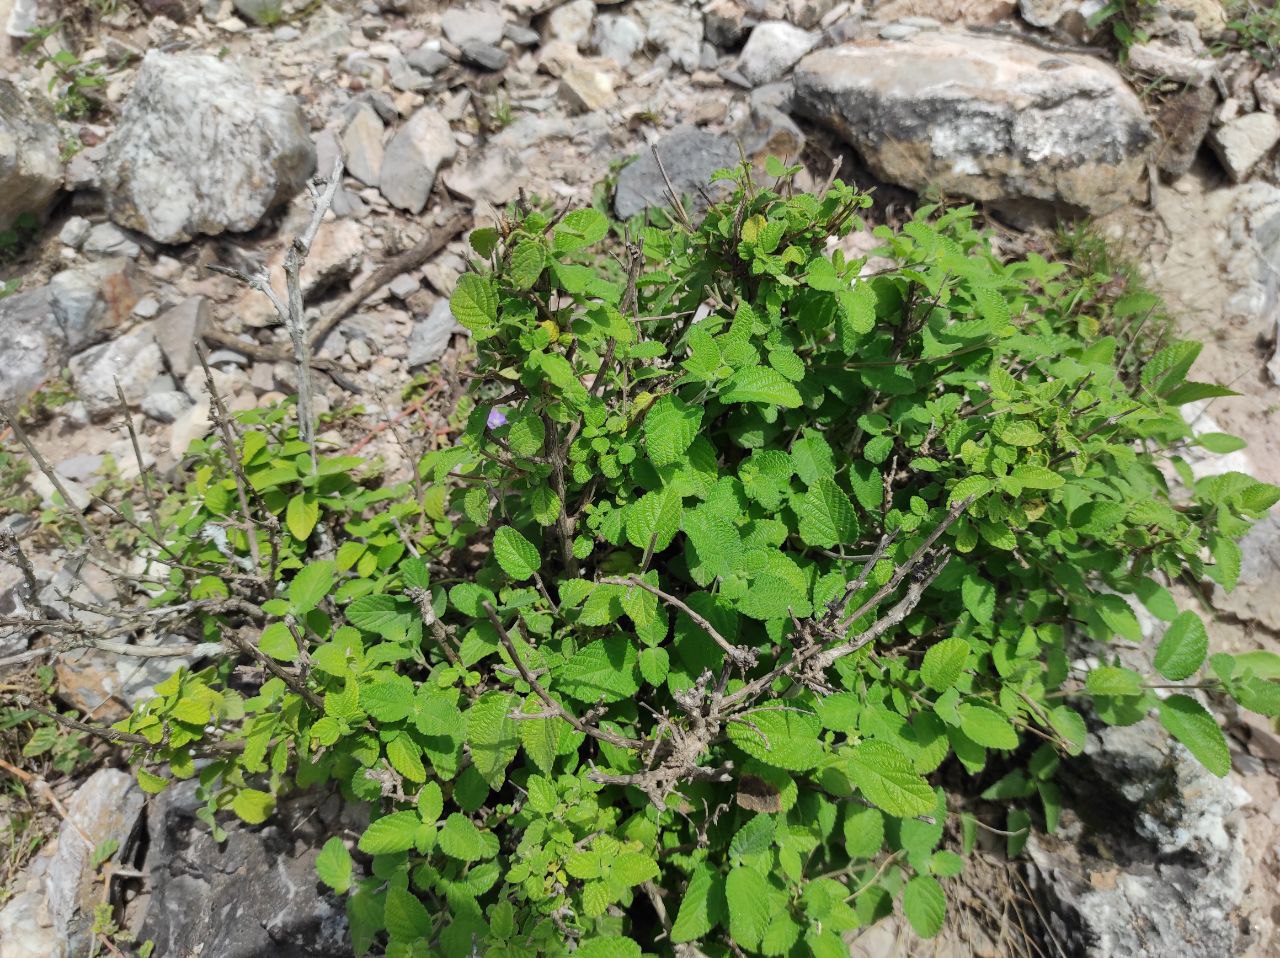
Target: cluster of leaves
x=1126 y=18
x=671 y=645
x=77 y=85
x=1253 y=28
x=46 y=746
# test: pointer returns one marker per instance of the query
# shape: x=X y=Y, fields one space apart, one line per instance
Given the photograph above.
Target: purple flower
x=496 y=418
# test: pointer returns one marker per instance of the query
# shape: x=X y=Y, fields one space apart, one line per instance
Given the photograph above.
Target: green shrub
x=1254 y=28
x=734 y=551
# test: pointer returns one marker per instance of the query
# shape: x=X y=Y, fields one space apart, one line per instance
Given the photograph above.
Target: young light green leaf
x=301 y=515
x=925 y=905
x=277 y=641
x=333 y=865
x=253 y=805
x=390 y=833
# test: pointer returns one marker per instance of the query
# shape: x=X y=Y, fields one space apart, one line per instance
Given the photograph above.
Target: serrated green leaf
x=474 y=302
x=826 y=516
x=460 y=839
x=863 y=832
x=1037 y=477
x=517 y=556
x=579 y=229
x=406 y=758
x=390 y=833
x=604 y=671
x=889 y=781
x=925 y=905
x=1183 y=649
x=1113 y=680
x=943 y=663
x=779 y=735
x=654 y=519
x=972 y=486
x=607 y=946
x=406 y=919
x=760 y=384
x=987 y=727
x=333 y=865
x=526 y=435
x=669 y=430
x=701 y=905
x=704 y=360
x=525 y=263
x=747 y=894
x=388 y=700
x=310 y=585
x=1191 y=724
x=492 y=735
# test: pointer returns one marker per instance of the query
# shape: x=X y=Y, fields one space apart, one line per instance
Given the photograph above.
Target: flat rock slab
x=254 y=894
x=992 y=119
x=107 y=807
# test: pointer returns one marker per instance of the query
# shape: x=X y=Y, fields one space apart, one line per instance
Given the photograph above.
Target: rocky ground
x=201 y=122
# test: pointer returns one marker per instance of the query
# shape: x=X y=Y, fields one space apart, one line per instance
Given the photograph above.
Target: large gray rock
x=41 y=326
x=413 y=157
x=689 y=155
x=1243 y=142
x=132 y=360
x=30 y=165
x=989 y=118
x=254 y=894
x=29 y=343
x=772 y=49
x=200 y=148
x=431 y=335
x=1150 y=859
x=107 y=807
